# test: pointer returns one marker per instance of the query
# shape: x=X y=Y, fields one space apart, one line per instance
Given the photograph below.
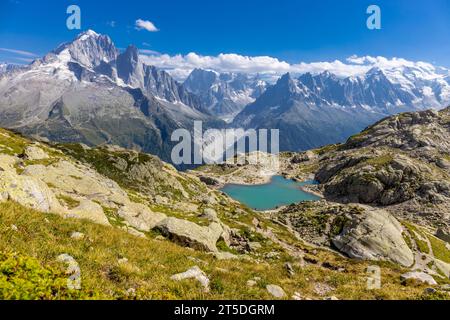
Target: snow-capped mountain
x=87 y=91
x=8 y=67
x=224 y=94
x=319 y=109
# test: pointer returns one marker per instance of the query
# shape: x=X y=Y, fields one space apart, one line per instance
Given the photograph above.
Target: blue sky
x=290 y=30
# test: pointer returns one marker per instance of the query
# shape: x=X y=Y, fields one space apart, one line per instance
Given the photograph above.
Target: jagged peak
x=89 y=49
x=132 y=51
x=375 y=71
x=285 y=78
x=200 y=72
x=88 y=33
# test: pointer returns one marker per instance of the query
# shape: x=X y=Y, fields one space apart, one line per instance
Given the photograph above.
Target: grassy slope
x=44 y=237
x=41 y=238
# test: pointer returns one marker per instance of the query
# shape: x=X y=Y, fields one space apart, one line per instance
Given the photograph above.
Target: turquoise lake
x=279 y=192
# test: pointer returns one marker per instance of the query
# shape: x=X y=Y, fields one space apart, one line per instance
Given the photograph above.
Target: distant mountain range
x=225 y=94
x=88 y=91
x=6 y=67
x=320 y=109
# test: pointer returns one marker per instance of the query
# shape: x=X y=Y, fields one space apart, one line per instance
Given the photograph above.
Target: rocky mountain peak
x=129 y=67
x=132 y=53
x=89 y=49
x=224 y=94
x=200 y=80
x=287 y=84
x=376 y=72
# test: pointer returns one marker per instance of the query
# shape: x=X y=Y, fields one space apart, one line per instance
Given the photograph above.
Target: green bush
x=23 y=278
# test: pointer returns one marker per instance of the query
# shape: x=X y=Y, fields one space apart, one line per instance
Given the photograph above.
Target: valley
x=88 y=178
x=76 y=200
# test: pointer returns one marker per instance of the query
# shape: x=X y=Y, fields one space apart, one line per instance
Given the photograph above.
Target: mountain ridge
x=75 y=94
x=224 y=94
x=303 y=108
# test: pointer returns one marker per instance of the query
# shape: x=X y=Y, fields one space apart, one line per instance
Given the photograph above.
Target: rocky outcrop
x=399 y=163
x=443 y=234
x=28 y=191
x=70 y=178
x=418 y=132
x=420 y=277
x=140 y=216
x=110 y=186
x=374 y=235
x=35 y=153
x=89 y=210
x=191 y=235
x=303 y=157
x=140 y=172
x=382 y=179
x=361 y=232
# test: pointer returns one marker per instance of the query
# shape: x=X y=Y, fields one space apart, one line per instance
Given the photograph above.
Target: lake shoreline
x=277 y=192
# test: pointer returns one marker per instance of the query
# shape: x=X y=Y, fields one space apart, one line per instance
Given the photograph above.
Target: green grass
x=69 y=202
x=11 y=144
x=327 y=149
x=359 y=137
x=440 y=250
x=151 y=263
x=380 y=162
x=414 y=231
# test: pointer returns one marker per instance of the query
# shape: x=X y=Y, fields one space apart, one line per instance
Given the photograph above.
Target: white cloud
x=19 y=52
x=27 y=60
x=270 y=68
x=112 y=24
x=146 y=25
x=149 y=52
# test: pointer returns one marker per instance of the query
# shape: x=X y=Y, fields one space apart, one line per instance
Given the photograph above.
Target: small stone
x=193 y=273
x=254 y=246
x=135 y=233
x=430 y=291
x=251 y=283
x=276 y=291
x=131 y=292
x=4 y=196
x=209 y=214
x=273 y=255
x=122 y=261
x=73 y=269
x=14 y=227
x=296 y=296
x=289 y=269
x=445 y=287
x=77 y=235
x=332 y=298
x=322 y=289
